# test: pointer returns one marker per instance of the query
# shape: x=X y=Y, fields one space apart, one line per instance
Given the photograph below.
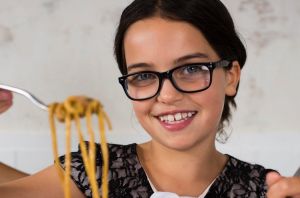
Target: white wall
x=57 y=48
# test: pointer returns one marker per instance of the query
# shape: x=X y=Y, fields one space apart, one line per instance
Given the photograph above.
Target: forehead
x=160 y=41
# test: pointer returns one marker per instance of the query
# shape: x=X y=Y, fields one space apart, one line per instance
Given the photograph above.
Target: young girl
x=181 y=62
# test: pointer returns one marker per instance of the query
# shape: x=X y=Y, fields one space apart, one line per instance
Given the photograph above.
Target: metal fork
x=27 y=94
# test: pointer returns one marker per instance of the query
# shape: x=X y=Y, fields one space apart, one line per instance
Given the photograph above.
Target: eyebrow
x=138 y=65
x=177 y=61
x=191 y=56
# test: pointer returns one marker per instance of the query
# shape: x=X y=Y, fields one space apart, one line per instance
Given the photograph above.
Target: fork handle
x=27 y=94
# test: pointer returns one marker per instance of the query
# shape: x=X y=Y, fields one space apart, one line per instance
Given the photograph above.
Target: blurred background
x=58 y=48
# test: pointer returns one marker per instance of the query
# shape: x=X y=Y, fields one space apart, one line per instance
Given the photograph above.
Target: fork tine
x=27 y=94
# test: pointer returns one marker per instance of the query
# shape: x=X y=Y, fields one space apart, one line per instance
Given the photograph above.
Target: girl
x=180 y=62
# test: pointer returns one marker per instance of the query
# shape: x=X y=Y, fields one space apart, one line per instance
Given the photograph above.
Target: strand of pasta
x=92 y=149
x=78 y=110
x=96 y=106
x=72 y=109
x=86 y=159
x=105 y=158
x=68 y=157
x=54 y=141
x=64 y=177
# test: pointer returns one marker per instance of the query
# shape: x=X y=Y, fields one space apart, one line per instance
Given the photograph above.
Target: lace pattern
x=127 y=177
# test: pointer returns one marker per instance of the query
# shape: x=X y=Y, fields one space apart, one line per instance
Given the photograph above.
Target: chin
x=180 y=145
x=184 y=144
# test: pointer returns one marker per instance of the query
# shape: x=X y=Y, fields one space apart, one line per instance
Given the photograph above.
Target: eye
x=141 y=79
x=194 y=69
x=144 y=76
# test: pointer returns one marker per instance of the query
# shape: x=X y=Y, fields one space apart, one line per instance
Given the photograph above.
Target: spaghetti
x=72 y=109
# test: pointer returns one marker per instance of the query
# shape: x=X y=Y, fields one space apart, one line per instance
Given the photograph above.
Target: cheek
x=211 y=111
x=142 y=110
x=217 y=97
x=211 y=101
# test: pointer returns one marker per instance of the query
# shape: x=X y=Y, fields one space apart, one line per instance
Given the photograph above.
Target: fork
x=27 y=94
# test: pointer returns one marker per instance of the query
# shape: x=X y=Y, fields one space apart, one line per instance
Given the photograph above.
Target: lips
x=176 y=121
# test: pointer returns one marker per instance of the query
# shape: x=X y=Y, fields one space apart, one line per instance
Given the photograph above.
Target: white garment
x=172 y=195
x=158 y=194
x=165 y=195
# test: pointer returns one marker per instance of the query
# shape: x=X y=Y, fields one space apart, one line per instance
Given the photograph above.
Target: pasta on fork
x=73 y=109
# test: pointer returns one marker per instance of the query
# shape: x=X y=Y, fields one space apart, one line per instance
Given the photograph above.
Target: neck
x=199 y=165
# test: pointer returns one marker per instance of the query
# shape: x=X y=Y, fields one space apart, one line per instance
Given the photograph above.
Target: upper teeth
x=176 y=117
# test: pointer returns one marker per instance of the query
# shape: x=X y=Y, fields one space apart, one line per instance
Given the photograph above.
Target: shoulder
x=239 y=168
x=120 y=156
x=241 y=179
x=126 y=175
x=116 y=152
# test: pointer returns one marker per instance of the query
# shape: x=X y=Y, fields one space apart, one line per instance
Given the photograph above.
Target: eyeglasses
x=189 y=78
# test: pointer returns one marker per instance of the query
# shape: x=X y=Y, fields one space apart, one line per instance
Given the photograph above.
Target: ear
x=232 y=79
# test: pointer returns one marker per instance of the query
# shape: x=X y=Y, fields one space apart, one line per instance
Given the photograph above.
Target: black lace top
x=127 y=177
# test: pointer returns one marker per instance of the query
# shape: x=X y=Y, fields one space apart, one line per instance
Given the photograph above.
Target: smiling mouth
x=177 y=117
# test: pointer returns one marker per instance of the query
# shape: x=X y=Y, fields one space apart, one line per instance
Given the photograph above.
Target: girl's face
x=157 y=44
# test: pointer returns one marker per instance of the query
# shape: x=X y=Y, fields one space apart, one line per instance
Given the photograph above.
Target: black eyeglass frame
x=168 y=75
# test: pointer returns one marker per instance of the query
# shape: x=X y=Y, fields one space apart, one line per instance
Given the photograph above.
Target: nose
x=168 y=93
